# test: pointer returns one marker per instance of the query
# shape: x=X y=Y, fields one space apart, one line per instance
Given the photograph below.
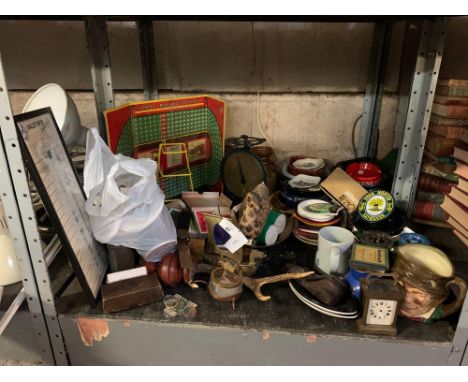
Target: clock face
x=381 y=312
x=241 y=171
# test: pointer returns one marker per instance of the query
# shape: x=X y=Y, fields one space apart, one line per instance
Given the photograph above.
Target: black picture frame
x=89 y=264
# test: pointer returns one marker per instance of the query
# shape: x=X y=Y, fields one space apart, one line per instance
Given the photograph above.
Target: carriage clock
x=381 y=300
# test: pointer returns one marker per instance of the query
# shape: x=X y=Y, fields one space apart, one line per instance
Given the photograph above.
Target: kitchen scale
x=241 y=169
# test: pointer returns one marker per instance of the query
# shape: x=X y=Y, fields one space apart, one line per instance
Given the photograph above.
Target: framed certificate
x=51 y=169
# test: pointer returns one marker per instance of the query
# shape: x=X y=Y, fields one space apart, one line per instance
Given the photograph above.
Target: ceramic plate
x=309 y=163
x=283 y=166
x=304 y=209
x=318 y=308
x=316 y=224
x=348 y=307
x=304 y=182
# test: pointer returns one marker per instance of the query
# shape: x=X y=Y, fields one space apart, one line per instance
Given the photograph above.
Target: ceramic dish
x=278 y=205
x=309 y=209
x=299 y=164
x=283 y=167
x=304 y=182
x=316 y=224
x=347 y=310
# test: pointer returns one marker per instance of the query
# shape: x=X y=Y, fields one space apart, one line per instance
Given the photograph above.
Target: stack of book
x=446 y=135
x=455 y=204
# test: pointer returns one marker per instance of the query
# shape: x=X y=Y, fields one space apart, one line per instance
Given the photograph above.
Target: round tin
x=376 y=206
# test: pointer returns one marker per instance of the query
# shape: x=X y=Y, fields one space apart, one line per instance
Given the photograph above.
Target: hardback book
x=459 y=196
x=458 y=91
x=440 y=159
x=460 y=154
x=449 y=100
x=432 y=223
x=463 y=184
x=440 y=145
x=433 y=197
x=447 y=131
x=444 y=171
x=439 y=120
x=464 y=137
x=450 y=111
x=462 y=170
x=429 y=211
x=455 y=210
x=462 y=237
x=458 y=226
x=432 y=183
x=452 y=82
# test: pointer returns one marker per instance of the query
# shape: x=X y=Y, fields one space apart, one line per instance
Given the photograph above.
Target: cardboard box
x=343 y=189
x=212 y=203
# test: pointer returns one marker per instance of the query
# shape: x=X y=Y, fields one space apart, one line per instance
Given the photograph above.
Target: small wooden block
x=120 y=258
x=128 y=294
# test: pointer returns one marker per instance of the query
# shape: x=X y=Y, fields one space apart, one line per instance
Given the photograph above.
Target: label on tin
x=376 y=206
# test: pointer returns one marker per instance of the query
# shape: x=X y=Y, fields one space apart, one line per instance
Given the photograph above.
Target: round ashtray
x=368 y=174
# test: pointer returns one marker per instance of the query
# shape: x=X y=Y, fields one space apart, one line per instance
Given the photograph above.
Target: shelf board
x=284 y=312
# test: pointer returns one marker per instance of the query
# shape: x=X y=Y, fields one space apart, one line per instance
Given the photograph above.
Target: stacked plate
x=311 y=216
x=349 y=309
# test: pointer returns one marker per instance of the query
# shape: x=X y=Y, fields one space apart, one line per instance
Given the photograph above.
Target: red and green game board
x=136 y=129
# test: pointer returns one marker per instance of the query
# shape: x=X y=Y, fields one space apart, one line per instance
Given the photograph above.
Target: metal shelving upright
x=412 y=121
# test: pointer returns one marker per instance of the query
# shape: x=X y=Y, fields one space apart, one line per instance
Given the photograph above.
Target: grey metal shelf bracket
x=369 y=132
x=430 y=49
x=148 y=58
x=22 y=223
x=98 y=48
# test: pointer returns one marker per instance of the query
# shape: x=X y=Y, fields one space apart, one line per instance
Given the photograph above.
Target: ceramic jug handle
x=334 y=260
x=448 y=309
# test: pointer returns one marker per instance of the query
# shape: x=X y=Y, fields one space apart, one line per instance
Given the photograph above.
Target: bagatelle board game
x=137 y=129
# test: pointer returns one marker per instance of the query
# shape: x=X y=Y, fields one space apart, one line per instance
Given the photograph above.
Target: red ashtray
x=368 y=174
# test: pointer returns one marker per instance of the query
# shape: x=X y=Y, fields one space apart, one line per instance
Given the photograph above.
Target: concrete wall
x=317 y=124
x=311 y=77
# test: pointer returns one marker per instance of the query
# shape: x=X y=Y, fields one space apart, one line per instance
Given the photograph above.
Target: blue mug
x=353 y=278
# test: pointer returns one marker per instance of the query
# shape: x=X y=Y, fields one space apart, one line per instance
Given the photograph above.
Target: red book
x=429 y=211
x=447 y=131
x=440 y=145
x=433 y=183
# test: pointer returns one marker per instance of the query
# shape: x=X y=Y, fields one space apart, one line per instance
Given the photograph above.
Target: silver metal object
x=98 y=48
x=369 y=132
x=51 y=252
x=19 y=209
x=430 y=49
x=408 y=63
x=148 y=58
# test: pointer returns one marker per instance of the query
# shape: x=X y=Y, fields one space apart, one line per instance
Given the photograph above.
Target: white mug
x=9 y=269
x=332 y=255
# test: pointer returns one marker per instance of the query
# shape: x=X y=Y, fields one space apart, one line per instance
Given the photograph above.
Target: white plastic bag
x=125 y=204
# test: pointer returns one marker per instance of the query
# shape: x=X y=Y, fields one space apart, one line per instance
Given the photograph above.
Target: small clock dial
x=241 y=171
x=381 y=312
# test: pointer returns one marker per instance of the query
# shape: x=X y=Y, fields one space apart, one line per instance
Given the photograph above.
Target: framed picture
x=51 y=169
